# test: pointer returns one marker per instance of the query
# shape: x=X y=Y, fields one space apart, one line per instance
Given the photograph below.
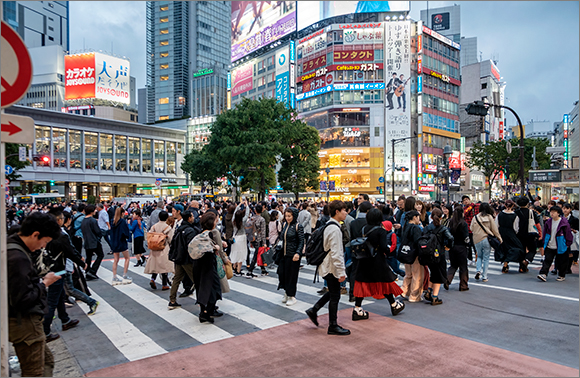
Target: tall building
x=183 y=38
x=39 y=23
x=445 y=21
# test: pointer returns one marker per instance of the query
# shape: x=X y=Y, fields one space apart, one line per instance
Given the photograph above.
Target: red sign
x=314 y=63
x=420 y=43
x=341 y=67
x=419 y=64
x=17 y=67
x=349 y=56
x=419 y=168
x=427 y=188
x=455 y=160
x=430 y=168
x=312 y=84
x=307 y=38
x=81 y=76
x=495 y=73
x=500 y=130
x=359 y=26
x=242 y=79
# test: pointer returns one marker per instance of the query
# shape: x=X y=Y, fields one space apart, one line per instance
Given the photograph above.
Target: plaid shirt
x=469 y=212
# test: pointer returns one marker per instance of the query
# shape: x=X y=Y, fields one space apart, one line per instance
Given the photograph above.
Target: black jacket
x=26 y=293
x=375 y=269
x=59 y=250
x=356 y=228
x=178 y=252
x=91 y=232
x=446 y=238
x=293 y=236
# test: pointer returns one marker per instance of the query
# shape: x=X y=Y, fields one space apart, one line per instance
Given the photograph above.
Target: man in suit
x=391 y=86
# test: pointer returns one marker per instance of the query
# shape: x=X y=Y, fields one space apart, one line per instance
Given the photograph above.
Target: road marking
x=183 y=320
x=125 y=336
x=525 y=291
x=237 y=310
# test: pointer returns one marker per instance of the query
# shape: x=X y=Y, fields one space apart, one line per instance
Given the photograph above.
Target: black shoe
x=446 y=285
x=397 y=308
x=71 y=324
x=217 y=314
x=205 y=317
x=555 y=271
x=351 y=298
x=436 y=301
x=323 y=291
x=153 y=285
x=312 y=315
x=250 y=275
x=173 y=306
x=428 y=295
x=139 y=263
x=477 y=275
x=186 y=293
x=356 y=316
x=337 y=330
x=91 y=276
x=464 y=289
x=52 y=337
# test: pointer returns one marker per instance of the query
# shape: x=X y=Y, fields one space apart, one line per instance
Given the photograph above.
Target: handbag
x=493 y=241
x=532 y=228
x=229 y=270
x=407 y=253
x=220 y=267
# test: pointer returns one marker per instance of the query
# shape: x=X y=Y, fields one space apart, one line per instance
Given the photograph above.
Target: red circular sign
x=16 y=58
x=329 y=79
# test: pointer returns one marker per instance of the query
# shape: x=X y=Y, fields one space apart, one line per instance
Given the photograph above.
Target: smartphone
x=61 y=273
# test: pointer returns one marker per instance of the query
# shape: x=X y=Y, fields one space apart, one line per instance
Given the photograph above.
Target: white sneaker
x=117 y=281
x=291 y=301
x=285 y=299
x=127 y=280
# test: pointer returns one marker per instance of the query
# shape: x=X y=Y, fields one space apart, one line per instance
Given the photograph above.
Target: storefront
x=556 y=185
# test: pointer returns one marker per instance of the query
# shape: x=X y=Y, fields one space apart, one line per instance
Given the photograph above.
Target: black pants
x=187 y=283
x=350 y=274
x=332 y=296
x=529 y=244
x=210 y=308
x=288 y=275
x=93 y=267
x=561 y=263
x=254 y=260
x=55 y=299
x=571 y=259
x=164 y=278
x=77 y=243
x=404 y=101
x=390 y=99
x=458 y=260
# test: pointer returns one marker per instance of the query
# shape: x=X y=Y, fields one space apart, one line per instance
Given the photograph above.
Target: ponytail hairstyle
x=436 y=216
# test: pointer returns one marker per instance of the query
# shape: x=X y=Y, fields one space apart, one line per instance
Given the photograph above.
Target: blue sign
x=566 y=117
x=357 y=86
x=419 y=84
x=282 y=59
x=316 y=92
x=323 y=186
x=283 y=85
x=381 y=179
x=8 y=169
x=229 y=81
x=331 y=185
x=292 y=51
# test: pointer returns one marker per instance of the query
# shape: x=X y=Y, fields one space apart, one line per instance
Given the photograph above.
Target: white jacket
x=304 y=219
x=333 y=263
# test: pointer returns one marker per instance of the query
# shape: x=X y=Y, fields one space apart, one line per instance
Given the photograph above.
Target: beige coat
x=158 y=261
x=333 y=263
x=488 y=222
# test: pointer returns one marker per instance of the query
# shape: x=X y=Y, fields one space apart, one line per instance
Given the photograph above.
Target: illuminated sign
x=316 y=92
x=80 y=107
x=361 y=34
x=292 y=51
x=494 y=71
x=355 y=152
x=441 y=38
x=314 y=63
x=427 y=188
x=203 y=71
x=445 y=78
x=440 y=21
x=430 y=168
x=352 y=171
x=419 y=84
x=351 y=110
x=359 y=26
x=428 y=71
x=308 y=38
x=419 y=64
x=455 y=160
x=349 y=132
x=356 y=86
x=419 y=167
x=565 y=127
x=342 y=67
x=347 y=56
x=419 y=43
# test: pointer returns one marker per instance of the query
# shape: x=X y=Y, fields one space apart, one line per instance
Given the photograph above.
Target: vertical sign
x=565 y=126
x=229 y=80
x=282 y=76
x=500 y=130
x=419 y=168
x=397 y=74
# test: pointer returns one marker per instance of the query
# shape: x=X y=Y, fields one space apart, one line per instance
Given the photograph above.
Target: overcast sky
x=535 y=43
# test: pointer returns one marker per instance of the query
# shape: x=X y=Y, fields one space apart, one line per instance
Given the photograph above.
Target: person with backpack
x=407 y=254
x=557 y=239
x=292 y=237
x=392 y=243
x=136 y=227
x=458 y=254
x=373 y=277
x=158 y=240
x=431 y=251
x=331 y=268
x=179 y=254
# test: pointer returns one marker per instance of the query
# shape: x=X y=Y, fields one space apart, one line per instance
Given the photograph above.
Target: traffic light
x=51 y=182
x=477 y=108
x=381 y=191
x=403 y=169
x=42 y=158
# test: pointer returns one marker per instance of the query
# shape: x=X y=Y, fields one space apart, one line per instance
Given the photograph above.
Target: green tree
x=300 y=162
x=203 y=168
x=489 y=159
x=253 y=179
x=12 y=149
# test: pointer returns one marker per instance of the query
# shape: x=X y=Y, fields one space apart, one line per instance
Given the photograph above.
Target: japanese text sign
x=350 y=56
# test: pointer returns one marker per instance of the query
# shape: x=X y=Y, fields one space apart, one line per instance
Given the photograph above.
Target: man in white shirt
x=332 y=269
x=104 y=223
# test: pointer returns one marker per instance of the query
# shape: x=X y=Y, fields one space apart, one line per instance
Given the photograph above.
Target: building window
x=164 y=78
x=120 y=153
x=171 y=158
x=106 y=152
x=163 y=8
x=59 y=146
x=163 y=118
x=164 y=43
x=76 y=148
x=146 y=148
x=164 y=100
x=164 y=54
x=159 y=156
x=484 y=86
x=134 y=159
x=164 y=19
x=91 y=150
x=164 y=31
x=181 y=100
x=43 y=144
x=164 y=66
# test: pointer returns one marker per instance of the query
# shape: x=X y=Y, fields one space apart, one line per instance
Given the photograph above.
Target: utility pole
x=393 y=142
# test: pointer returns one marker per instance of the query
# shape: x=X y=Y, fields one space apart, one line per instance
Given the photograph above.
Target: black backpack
x=406 y=250
x=315 y=253
x=361 y=248
x=430 y=247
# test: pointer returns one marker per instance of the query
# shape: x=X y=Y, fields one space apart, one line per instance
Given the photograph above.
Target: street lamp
x=447 y=152
x=393 y=142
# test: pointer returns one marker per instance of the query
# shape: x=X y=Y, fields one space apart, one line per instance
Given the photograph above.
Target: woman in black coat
x=437 y=269
x=511 y=250
x=458 y=254
x=292 y=237
x=205 y=277
x=373 y=277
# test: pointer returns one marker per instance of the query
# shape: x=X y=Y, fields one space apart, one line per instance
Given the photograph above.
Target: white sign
x=113 y=78
x=363 y=36
x=22 y=153
x=351 y=132
x=17 y=129
x=158 y=183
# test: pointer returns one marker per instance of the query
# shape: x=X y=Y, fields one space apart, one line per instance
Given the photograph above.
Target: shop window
x=106 y=152
x=134 y=158
x=59 y=146
x=146 y=148
x=76 y=148
x=120 y=153
x=42 y=144
x=159 y=156
x=171 y=158
x=164 y=100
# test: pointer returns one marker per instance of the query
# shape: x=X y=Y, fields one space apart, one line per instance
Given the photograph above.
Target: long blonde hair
x=118 y=215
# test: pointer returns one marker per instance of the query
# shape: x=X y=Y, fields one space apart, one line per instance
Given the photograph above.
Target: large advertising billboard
x=96 y=75
x=310 y=12
x=283 y=76
x=255 y=24
x=397 y=74
x=243 y=78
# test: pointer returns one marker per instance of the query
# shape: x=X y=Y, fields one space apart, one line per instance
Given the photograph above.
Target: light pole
x=447 y=152
x=393 y=142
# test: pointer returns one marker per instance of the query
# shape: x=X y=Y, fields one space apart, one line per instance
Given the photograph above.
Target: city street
x=513 y=325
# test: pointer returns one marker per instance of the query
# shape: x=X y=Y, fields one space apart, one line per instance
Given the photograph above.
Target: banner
x=242 y=79
x=282 y=76
x=80 y=76
x=350 y=56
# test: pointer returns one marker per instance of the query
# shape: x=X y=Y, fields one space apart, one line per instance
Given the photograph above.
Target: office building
x=445 y=21
x=183 y=38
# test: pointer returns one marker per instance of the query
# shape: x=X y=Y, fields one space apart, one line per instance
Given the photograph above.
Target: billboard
x=96 y=75
x=310 y=12
x=243 y=78
x=283 y=76
x=440 y=21
x=255 y=24
x=397 y=74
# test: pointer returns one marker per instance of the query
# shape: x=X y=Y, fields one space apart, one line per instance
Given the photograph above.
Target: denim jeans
x=483 y=252
x=395 y=264
x=55 y=299
x=76 y=293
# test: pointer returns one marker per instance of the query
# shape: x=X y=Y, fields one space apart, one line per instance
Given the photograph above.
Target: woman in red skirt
x=373 y=277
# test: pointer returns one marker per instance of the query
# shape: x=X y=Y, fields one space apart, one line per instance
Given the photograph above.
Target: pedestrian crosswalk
x=150 y=329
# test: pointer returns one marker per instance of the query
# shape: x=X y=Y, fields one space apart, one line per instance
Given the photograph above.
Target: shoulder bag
x=493 y=241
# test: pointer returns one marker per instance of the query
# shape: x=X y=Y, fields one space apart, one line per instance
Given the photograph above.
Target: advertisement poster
x=80 y=76
x=282 y=76
x=255 y=24
x=440 y=21
x=242 y=79
x=397 y=75
x=363 y=36
x=310 y=12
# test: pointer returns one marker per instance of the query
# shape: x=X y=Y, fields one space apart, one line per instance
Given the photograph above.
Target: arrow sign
x=17 y=129
x=381 y=179
x=8 y=169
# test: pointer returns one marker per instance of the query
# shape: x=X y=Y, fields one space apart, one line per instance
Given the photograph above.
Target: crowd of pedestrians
x=364 y=247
